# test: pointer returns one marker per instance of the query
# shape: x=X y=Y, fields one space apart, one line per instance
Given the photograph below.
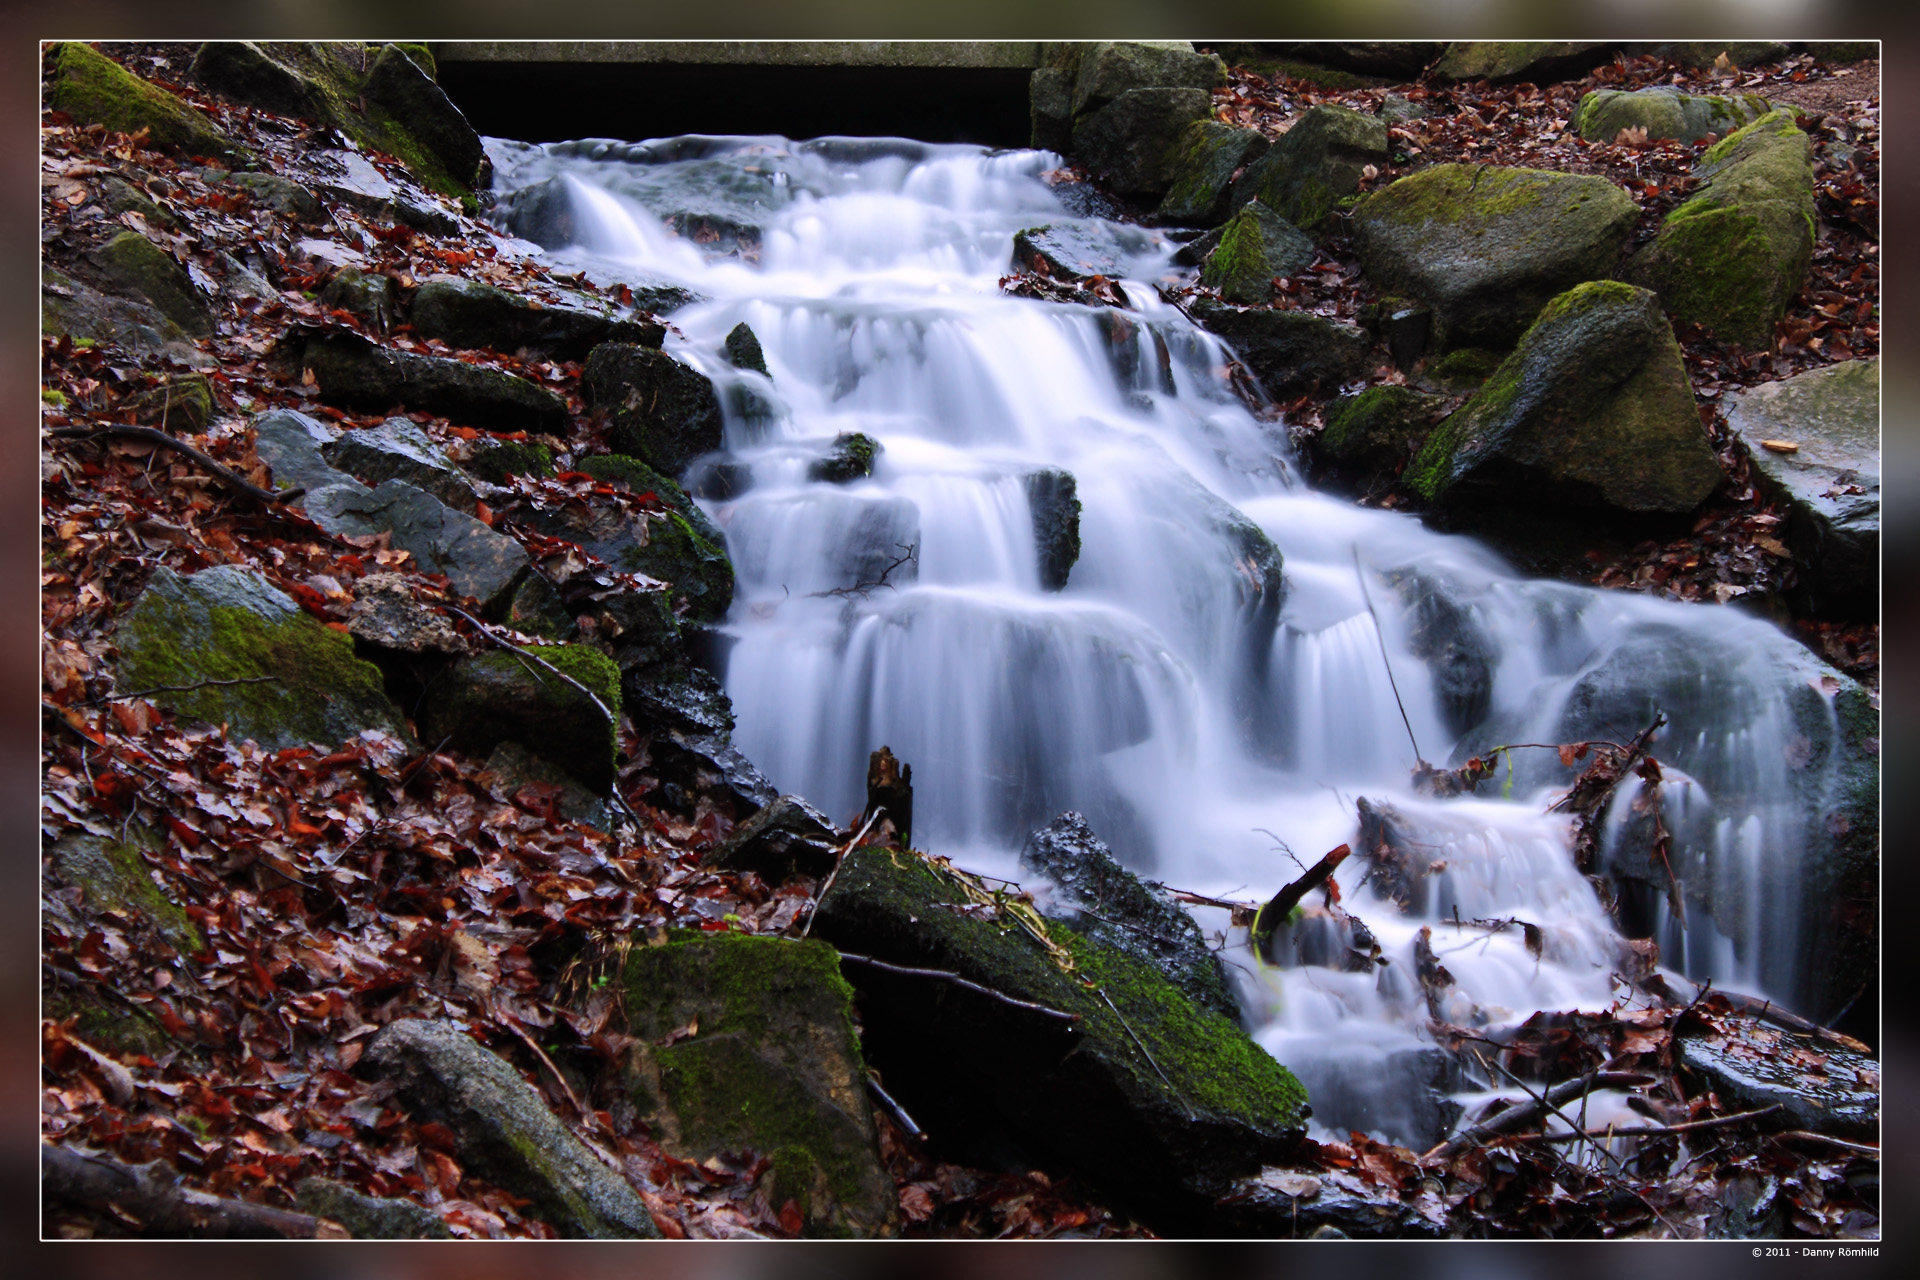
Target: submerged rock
x=490 y=698
x=469 y=314
x=849 y=458
x=789 y=837
x=1054 y=502
x=1593 y=409
x=299 y=682
x=1131 y=139
x=1200 y=168
x=1733 y=256
x=137 y=264
x=747 y=1043
x=1830 y=481
x=1103 y=900
x=1486 y=247
x=1314 y=165
x=357 y=374
x=1448 y=633
x=1256 y=245
x=664 y=413
x=94 y=89
x=1288 y=351
x=503 y=1131
x=1664 y=112
x=398 y=450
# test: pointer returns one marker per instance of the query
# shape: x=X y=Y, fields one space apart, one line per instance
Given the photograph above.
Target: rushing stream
x=1208 y=724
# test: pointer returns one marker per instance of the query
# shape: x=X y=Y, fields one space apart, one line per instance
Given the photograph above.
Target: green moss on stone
x=498 y=697
x=421 y=58
x=134 y=262
x=121 y=1031
x=497 y=463
x=115 y=877
x=94 y=89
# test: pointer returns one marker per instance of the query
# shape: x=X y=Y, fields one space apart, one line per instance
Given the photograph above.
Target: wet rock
x=1664 y=112
x=292 y=444
x=1370 y=436
x=679 y=545
x=398 y=450
x=428 y=114
x=1200 y=169
x=119 y=196
x=468 y=314
x=849 y=458
x=1279 y=1203
x=368 y=1217
x=511 y=768
x=1541 y=61
x=1288 y=351
x=372 y=298
x=503 y=1131
x=499 y=461
x=544 y=213
x=72 y=309
x=1486 y=247
x=138 y=266
x=94 y=89
x=385 y=615
x=182 y=403
x=1131 y=139
x=664 y=413
x=357 y=374
x=1733 y=256
x=1074 y=251
x=113 y=875
x=282 y=195
x=350 y=179
x=1447 y=634
x=303 y=683
x=1159 y=1106
x=490 y=698
x=747 y=1043
x=789 y=837
x=326 y=253
x=1101 y=899
x=1139 y=367
x=708 y=763
x=241 y=71
x=1817 y=1085
x=1050 y=105
x=1256 y=245
x=1830 y=483
x=1593 y=409
x=1053 y=499
x=743 y=350
x=1314 y=165
x=477 y=561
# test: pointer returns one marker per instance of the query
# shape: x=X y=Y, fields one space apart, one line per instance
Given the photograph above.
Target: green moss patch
x=498 y=462
x=114 y=876
x=94 y=89
x=491 y=698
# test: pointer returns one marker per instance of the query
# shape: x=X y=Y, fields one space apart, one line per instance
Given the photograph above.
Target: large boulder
x=1200 y=169
x=477 y=561
x=469 y=314
x=664 y=413
x=503 y=1131
x=1592 y=410
x=94 y=89
x=1054 y=502
x=746 y=1043
x=398 y=450
x=1486 y=247
x=403 y=88
x=490 y=698
x=1050 y=109
x=1732 y=257
x=1256 y=245
x=1131 y=139
x=1830 y=480
x=1155 y=1102
x=1288 y=351
x=226 y=646
x=1314 y=165
x=1664 y=112
x=1107 y=70
x=1096 y=896
x=1541 y=61
x=357 y=374
x=138 y=266
x=241 y=71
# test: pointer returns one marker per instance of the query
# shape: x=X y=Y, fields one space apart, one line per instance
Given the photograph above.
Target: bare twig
x=866 y=587
x=958 y=981
x=1806 y=1135
x=175 y=688
x=1643 y=1131
x=839 y=858
x=1269 y=917
x=155 y=436
x=1519 y=1116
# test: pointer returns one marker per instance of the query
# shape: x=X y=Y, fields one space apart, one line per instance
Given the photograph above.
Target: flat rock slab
x=468 y=314
x=1816 y=1085
x=1288 y=350
x=1486 y=247
x=1074 y=251
x=398 y=450
x=747 y=1043
x=1830 y=479
x=504 y=1131
x=477 y=561
x=357 y=374
x=291 y=681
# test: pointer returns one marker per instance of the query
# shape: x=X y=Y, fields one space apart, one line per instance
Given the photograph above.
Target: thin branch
x=1587 y=1135
x=1267 y=921
x=1806 y=1135
x=1143 y=1049
x=867 y=587
x=894 y=1109
x=1386 y=662
x=969 y=984
x=839 y=858
x=155 y=436
x=175 y=688
x=1519 y=1116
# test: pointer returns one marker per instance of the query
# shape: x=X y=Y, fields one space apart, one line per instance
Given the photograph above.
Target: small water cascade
x=1218 y=727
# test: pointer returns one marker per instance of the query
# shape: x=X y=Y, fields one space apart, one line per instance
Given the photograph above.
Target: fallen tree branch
x=1807 y=1135
x=153 y=435
x=1588 y=1135
x=839 y=858
x=1267 y=920
x=176 y=688
x=894 y=1109
x=152 y=1195
x=1521 y=1115
x=946 y=976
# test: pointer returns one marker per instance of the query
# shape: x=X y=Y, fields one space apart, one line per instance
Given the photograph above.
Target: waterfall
x=1217 y=728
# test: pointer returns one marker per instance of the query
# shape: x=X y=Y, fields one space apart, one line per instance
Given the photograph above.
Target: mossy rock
x=1131 y=139
x=1311 y=73
x=184 y=402
x=1592 y=410
x=407 y=90
x=1155 y=1102
x=1288 y=351
x=368 y=1217
x=138 y=265
x=850 y=457
x=1256 y=245
x=1486 y=247
x=94 y=89
x=105 y=1023
x=119 y=196
x=302 y=683
x=679 y=546
x=1732 y=257
x=1105 y=70
x=1464 y=368
x=771 y=1064
x=499 y=461
x=664 y=413
x=743 y=350
x=71 y=309
x=1314 y=165
x=1704 y=53
x=1542 y=61
x=115 y=877
x=1200 y=168
x=1664 y=112
x=368 y=296
x=489 y=698
x=1371 y=434
x=241 y=71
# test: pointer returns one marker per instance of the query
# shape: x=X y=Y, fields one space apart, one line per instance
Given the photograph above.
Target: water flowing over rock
x=1056 y=524
x=1487 y=247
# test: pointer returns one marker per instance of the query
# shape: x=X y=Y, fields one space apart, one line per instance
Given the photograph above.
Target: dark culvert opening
x=558 y=101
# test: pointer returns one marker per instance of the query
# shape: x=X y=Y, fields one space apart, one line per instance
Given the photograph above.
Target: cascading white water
x=1202 y=735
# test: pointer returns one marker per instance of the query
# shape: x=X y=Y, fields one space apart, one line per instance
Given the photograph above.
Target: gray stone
x=1487 y=247
x=1704 y=53
x=1074 y=251
x=789 y=837
x=1751 y=1071
x=348 y=178
x=1541 y=61
x=1200 y=171
x=1108 y=70
x=291 y=443
x=282 y=195
x=1054 y=502
x=119 y=196
x=504 y=1131
x=743 y=350
x=368 y=1217
x=385 y=615
x=358 y=374
x=368 y=296
x=664 y=413
x=1131 y=139
x=678 y=545
x=469 y=314
x=113 y=874
x=292 y=681
x=1288 y=350
x=1830 y=482
x=398 y=450
x=511 y=766
x=240 y=281
x=426 y=112
x=1664 y=112
x=477 y=561
x=242 y=71
x=72 y=309
x=136 y=264
x=1256 y=245
x=1314 y=165
x=1050 y=98
x=494 y=697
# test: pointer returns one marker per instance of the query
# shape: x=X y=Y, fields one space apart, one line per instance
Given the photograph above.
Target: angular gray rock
x=385 y=615
x=1542 y=61
x=292 y=444
x=357 y=374
x=398 y=450
x=282 y=195
x=1107 y=70
x=78 y=311
x=504 y=1131
x=1131 y=139
x=743 y=350
x=368 y=296
x=469 y=314
x=426 y=112
x=1255 y=246
x=664 y=413
x=240 y=70
x=477 y=561
x=1074 y=251
x=1314 y=165
x=136 y=265
x=789 y=837
x=1288 y=350
x=368 y=1217
x=1200 y=169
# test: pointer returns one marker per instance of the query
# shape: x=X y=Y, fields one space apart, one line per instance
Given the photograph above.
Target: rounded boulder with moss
x=538 y=697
